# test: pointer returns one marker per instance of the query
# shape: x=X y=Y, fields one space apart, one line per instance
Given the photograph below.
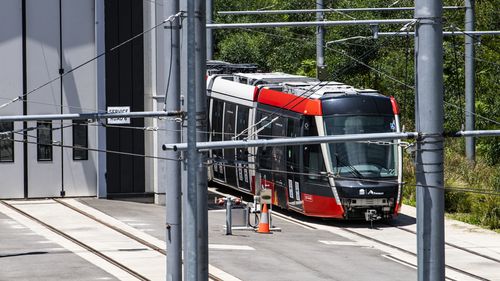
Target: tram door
x=279 y=162
x=242 y=153
x=292 y=165
x=229 y=154
x=217 y=113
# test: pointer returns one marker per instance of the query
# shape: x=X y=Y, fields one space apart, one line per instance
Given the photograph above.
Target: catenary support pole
x=210 y=13
x=429 y=122
x=173 y=198
x=101 y=96
x=320 y=39
x=470 y=81
x=189 y=180
x=201 y=128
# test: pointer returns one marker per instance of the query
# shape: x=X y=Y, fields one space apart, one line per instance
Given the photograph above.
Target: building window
x=80 y=141
x=6 y=142
x=44 y=141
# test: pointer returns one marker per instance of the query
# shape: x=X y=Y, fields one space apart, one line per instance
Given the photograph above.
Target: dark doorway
x=125 y=87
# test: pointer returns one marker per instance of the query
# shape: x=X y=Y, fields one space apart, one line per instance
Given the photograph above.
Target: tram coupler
x=372 y=215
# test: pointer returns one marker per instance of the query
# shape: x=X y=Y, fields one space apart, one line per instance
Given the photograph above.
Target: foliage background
x=293 y=50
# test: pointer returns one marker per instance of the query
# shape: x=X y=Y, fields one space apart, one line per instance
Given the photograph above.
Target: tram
x=352 y=180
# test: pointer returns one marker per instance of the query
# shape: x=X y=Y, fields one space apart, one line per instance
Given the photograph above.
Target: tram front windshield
x=362 y=159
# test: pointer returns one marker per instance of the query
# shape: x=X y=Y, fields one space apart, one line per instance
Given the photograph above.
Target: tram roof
x=326 y=89
x=274 y=77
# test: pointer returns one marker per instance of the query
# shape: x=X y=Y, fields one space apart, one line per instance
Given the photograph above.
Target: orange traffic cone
x=264 y=221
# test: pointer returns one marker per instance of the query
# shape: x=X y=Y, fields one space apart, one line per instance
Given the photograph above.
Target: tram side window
x=293 y=130
x=242 y=121
x=217 y=111
x=264 y=153
x=44 y=140
x=216 y=126
x=6 y=142
x=241 y=125
x=80 y=140
x=313 y=158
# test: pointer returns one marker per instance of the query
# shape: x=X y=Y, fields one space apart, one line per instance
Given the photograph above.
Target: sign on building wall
x=119 y=109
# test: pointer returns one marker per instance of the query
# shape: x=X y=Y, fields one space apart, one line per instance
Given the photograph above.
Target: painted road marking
x=342 y=243
x=230 y=247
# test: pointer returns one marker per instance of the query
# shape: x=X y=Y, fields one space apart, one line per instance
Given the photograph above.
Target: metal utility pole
x=173 y=200
x=320 y=39
x=470 y=81
x=201 y=129
x=101 y=96
x=210 y=46
x=188 y=88
x=193 y=86
x=429 y=122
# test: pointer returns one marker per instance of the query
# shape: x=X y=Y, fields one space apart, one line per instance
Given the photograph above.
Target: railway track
x=360 y=231
x=91 y=249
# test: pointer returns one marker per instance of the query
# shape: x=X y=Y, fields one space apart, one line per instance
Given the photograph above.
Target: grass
x=475 y=206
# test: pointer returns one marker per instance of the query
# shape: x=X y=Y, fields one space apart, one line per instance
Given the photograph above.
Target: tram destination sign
x=118 y=109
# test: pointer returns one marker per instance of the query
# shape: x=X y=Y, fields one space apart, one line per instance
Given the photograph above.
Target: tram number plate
x=297 y=191
x=240 y=172
x=245 y=173
x=290 y=188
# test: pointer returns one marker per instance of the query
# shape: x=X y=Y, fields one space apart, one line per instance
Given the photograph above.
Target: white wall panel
x=43 y=65
x=11 y=86
x=79 y=91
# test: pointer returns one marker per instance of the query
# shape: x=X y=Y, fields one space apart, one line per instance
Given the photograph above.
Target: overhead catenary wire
x=453 y=189
x=169 y=67
x=95 y=150
x=472 y=190
x=309 y=41
x=23 y=96
x=320 y=84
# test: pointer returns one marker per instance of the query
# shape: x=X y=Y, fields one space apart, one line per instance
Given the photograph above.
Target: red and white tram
x=339 y=180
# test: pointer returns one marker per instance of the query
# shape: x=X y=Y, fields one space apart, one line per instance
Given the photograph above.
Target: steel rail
x=286 y=217
x=278 y=213
x=337 y=10
x=450 y=244
x=121 y=231
x=78 y=242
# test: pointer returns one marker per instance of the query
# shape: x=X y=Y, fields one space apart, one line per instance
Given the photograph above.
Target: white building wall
x=43 y=61
x=79 y=92
x=11 y=86
x=42 y=47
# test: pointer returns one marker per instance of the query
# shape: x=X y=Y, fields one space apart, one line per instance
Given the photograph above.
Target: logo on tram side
x=370 y=192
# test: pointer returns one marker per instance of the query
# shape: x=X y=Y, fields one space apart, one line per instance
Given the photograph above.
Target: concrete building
x=49 y=40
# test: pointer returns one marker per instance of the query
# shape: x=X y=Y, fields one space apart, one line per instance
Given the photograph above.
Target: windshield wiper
x=352 y=169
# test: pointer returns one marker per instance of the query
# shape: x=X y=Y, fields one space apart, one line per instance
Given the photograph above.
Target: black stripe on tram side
x=25 y=102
